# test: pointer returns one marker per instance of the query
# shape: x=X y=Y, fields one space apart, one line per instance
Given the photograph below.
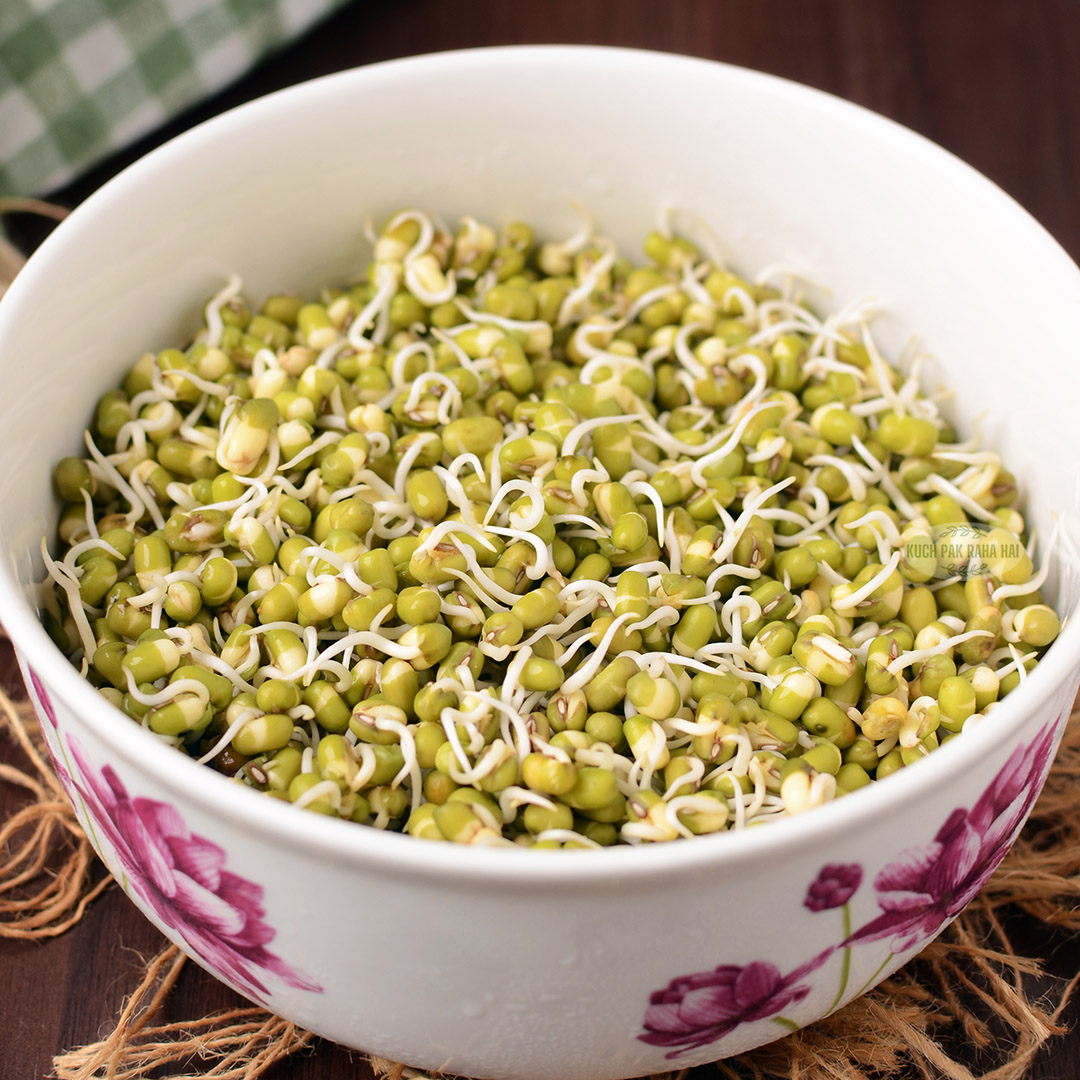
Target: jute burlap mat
x=970 y=988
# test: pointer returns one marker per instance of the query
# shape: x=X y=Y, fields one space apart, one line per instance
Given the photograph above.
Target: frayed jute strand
x=46 y=862
x=237 y=1044
x=11 y=258
x=968 y=989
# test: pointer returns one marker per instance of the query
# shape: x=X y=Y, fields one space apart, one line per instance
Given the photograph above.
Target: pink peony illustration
x=834 y=886
x=182 y=877
x=693 y=1010
x=929 y=885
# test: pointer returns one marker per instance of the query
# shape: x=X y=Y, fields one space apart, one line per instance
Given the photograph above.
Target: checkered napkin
x=81 y=78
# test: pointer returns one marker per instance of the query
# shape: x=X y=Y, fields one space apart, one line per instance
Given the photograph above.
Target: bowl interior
x=763 y=170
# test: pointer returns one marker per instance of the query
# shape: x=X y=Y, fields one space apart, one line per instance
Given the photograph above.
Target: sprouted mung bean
x=526 y=543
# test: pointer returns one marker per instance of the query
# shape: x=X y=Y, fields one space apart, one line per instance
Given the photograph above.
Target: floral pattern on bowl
x=918 y=893
x=181 y=876
x=693 y=1010
x=928 y=886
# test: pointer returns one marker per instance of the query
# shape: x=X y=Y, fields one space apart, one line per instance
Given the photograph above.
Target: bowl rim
x=369 y=848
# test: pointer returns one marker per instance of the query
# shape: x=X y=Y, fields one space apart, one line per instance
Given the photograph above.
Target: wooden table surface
x=995 y=81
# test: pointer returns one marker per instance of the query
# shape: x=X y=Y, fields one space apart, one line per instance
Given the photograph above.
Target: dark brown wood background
x=995 y=81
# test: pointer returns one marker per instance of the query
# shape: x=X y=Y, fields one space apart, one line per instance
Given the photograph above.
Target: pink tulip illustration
x=834 y=886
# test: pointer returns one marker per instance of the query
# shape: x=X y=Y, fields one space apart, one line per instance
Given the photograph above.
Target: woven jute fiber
x=971 y=988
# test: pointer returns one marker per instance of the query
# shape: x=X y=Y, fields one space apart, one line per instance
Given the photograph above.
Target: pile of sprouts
x=523 y=543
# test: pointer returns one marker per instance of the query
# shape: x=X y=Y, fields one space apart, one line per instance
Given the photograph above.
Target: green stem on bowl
x=845 y=971
x=786 y=1022
x=873 y=978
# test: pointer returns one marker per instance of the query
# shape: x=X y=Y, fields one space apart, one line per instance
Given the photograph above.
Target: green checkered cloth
x=82 y=78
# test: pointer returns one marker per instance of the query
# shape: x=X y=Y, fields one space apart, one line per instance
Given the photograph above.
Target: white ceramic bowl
x=503 y=962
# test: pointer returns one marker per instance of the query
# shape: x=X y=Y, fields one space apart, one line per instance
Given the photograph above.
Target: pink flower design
x=693 y=1010
x=930 y=884
x=47 y=717
x=43 y=698
x=182 y=878
x=918 y=893
x=834 y=886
